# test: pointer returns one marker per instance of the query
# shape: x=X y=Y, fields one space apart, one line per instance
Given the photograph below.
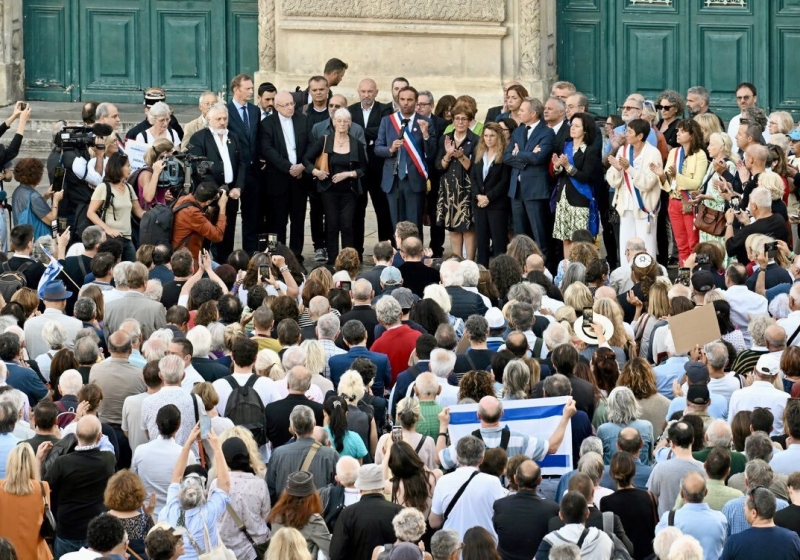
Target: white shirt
x=366 y=112
x=555 y=129
x=80 y=167
x=132 y=420
x=745 y=304
x=449 y=394
x=147 y=137
x=314 y=393
x=153 y=462
x=264 y=386
x=790 y=324
x=475 y=506
x=82 y=554
x=733 y=130
x=222 y=145
x=724 y=386
x=552 y=304
x=288 y=135
x=190 y=378
x=760 y=393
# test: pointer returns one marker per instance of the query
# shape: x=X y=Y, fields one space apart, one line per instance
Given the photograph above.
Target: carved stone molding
x=266 y=35
x=529 y=25
x=417 y=10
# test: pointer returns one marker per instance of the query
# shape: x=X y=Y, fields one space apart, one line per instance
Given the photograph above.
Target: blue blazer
x=341 y=363
x=387 y=134
x=247 y=142
x=529 y=171
x=28 y=381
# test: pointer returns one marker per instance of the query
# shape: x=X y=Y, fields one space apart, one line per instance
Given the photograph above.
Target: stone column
x=11 y=63
x=467 y=47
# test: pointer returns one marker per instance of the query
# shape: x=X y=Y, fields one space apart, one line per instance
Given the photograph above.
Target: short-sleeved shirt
x=353 y=444
x=118 y=215
x=518 y=444
x=665 y=480
x=210 y=512
x=19 y=203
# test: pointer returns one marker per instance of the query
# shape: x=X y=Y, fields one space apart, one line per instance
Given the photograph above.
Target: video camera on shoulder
x=83 y=137
x=176 y=166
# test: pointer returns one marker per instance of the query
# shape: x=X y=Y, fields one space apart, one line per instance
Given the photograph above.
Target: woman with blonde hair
x=578 y=296
x=147 y=179
x=719 y=146
x=22 y=492
x=315 y=364
x=709 y=124
x=287 y=544
x=621 y=338
x=268 y=364
x=780 y=122
x=360 y=416
x=657 y=309
x=439 y=294
x=407 y=416
x=208 y=394
x=254 y=456
x=638 y=375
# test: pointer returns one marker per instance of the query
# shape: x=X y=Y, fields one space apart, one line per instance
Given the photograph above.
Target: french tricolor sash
x=410 y=145
x=632 y=189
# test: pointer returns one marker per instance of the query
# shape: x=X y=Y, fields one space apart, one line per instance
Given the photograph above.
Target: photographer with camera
x=22 y=111
x=191 y=226
x=757 y=218
x=113 y=202
x=147 y=184
x=225 y=165
x=27 y=205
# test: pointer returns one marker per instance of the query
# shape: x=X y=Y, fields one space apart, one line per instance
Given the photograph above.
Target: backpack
x=13 y=280
x=619 y=552
x=64 y=446
x=334 y=506
x=65 y=415
x=156 y=225
x=244 y=408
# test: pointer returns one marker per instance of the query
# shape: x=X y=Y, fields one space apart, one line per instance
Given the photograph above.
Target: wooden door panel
x=650 y=52
x=48 y=50
x=242 y=38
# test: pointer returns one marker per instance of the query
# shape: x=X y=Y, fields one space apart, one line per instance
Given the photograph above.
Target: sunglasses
x=664 y=107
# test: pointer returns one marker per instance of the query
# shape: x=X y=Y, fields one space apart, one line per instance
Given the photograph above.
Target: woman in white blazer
x=637 y=187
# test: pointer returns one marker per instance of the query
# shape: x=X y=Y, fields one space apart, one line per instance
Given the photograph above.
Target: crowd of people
x=182 y=398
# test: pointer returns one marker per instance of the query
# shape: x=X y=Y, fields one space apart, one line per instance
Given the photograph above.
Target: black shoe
x=672 y=262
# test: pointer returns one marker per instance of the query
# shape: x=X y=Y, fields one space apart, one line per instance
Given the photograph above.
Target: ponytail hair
x=336 y=409
x=160 y=146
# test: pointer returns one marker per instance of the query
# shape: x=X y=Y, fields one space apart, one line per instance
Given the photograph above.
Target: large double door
x=610 y=49
x=112 y=50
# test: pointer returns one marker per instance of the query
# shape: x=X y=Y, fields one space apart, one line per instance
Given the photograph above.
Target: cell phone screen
x=58 y=178
x=205 y=426
x=264 y=269
x=345 y=285
x=272 y=241
x=262 y=243
x=588 y=317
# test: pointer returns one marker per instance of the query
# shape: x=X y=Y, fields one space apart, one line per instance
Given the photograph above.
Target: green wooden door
x=784 y=63
x=50 y=50
x=242 y=35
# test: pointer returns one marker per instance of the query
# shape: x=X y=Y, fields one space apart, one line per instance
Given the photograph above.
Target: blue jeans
x=65 y=546
x=128 y=250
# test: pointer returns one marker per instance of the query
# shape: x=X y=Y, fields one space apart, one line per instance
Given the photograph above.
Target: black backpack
x=244 y=408
x=64 y=446
x=13 y=280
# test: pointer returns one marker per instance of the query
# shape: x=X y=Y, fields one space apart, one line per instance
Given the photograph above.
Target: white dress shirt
x=760 y=393
x=366 y=112
x=288 y=135
x=790 y=324
x=154 y=462
x=745 y=304
x=86 y=171
x=222 y=141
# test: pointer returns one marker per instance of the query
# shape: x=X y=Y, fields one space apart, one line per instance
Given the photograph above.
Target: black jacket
x=363 y=526
x=582 y=392
x=464 y=303
x=416 y=275
x=272 y=149
x=521 y=522
x=358 y=160
x=368 y=318
x=562 y=137
x=374 y=277
x=203 y=144
x=588 y=167
x=209 y=369
x=277 y=417
x=494 y=187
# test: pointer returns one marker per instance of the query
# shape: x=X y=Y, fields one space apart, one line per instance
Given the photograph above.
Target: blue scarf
x=585 y=191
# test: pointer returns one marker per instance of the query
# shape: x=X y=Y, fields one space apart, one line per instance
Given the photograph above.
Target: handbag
x=710 y=221
x=261 y=548
x=321 y=162
x=48 y=529
x=218 y=552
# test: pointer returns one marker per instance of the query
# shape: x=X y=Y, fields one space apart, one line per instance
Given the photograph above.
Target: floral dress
x=718 y=203
x=454 y=206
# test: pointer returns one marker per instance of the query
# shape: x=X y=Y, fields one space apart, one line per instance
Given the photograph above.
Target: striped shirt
x=518 y=444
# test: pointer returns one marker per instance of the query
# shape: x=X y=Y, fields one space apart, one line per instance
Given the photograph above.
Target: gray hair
x=439 y=294
x=158 y=109
x=686 y=547
x=92 y=237
x=576 y=272
x=451 y=273
x=217 y=331
x=716 y=355
x=86 y=351
x=70 y=382
x=591 y=444
x=298 y=379
x=294 y=356
x=476 y=327
x=154 y=349
x=133 y=328
x=388 y=311
x=758 y=445
x=426 y=384
x=536 y=105
x=522 y=315
x=444 y=543
x=761 y=197
x=516 y=380
x=206 y=94
x=555 y=335
x=218 y=107
x=302 y=420
x=347 y=471
x=758 y=473
x=442 y=362
x=622 y=406
x=567 y=551
x=154 y=289
x=693 y=497
x=54 y=334
x=9 y=414
x=409 y=525
x=521 y=292
x=318 y=306
x=591 y=464
x=719 y=434
x=85 y=309
x=664 y=540
x=700 y=91
x=121 y=273
x=758 y=326
x=343 y=113
x=469 y=451
x=427 y=93
x=763 y=501
x=171 y=369
x=87 y=332
x=362 y=288
x=192 y=491
x=201 y=341
x=328 y=326
x=557 y=385
x=103 y=110
x=45 y=242
x=471 y=274
x=561 y=105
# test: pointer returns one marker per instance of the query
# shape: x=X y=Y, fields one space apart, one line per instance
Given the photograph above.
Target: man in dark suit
x=362 y=311
x=333 y=73
x=354 y=335
x=229 y=170
x=407 y=142
x=283 y=141
x=368 y=114
x=436 y=242
x=494 y=112
x=243 y=119
x=528 y=154
x=382 y=254
x=277 y=412
x=554 y=112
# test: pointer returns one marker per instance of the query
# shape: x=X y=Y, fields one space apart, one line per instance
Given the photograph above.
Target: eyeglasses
x=290 y=104
x=664 y=107
x=744 y=97
x=460 y=119
x=335 y=106
x=630 y=108
x=420 y=104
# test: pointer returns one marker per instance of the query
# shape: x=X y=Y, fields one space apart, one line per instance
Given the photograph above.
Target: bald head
x=284 y=104
x=693 y=487
x=629 y=441
x=88 y=430
x=517 y=343
x=427 y=386
x=605 y=292
x=759 y=153
x=412 y=249
x=528 y=475
x=119 y=344
x=318 y=306
x=490 y=410
x=339 y=99
x=298 y=380
x=775 y=338
x=534 y=262
x=362 y=290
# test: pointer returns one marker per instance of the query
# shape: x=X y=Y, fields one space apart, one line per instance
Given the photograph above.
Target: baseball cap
x=703 y=281
x=794 y=135
x=697 y=372
x=769 y=364
x=495 y=318
x=390 y=276
x=698 y=394
x=404 y=297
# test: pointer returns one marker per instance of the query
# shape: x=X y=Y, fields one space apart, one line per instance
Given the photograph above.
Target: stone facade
x=471 y=46
x=12 y=66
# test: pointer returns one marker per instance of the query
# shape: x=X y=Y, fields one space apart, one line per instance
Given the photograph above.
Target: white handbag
x=218 y=552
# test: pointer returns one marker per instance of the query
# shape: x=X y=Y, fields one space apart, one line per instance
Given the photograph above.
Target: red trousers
x=686 y=236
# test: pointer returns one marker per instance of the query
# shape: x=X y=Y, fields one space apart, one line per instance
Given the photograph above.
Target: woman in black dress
x=454 y=208
x=491 y=205
x=340 y=184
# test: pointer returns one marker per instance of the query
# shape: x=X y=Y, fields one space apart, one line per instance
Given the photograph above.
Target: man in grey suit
x=406 y=163
x=134 y=305
x=528 y=153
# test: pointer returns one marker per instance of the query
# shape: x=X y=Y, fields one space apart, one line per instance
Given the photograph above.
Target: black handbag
x=48 y=529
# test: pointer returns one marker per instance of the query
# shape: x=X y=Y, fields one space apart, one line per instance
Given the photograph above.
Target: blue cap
x=794 y=135
x=390 y=276
x=55 y=290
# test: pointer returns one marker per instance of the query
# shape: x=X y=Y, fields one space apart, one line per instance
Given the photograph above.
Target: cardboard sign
x=698 y=326
x=135 y=152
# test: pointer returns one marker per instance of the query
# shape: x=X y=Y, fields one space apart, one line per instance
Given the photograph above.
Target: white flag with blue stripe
x=51 y=272
x=538 y=418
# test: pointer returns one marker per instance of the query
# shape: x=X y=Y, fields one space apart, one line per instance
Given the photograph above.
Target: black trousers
x=225 y=247
x=437 y=233
x=317 y=218
x=282 y=208
x=491 y=225
x=609 y=238
x=252 y=213
x=371 y=184
x=662 y=230
x=340 y=211
x=125 y=454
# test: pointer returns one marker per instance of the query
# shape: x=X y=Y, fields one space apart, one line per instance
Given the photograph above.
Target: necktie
x=403 y=171
x=245 y=118
x=527 y=131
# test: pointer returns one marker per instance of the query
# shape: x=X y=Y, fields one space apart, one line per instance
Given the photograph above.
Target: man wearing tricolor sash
x=407 y=142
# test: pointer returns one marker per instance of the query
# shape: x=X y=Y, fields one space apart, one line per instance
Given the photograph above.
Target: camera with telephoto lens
x=82 y=137
x=177 y=166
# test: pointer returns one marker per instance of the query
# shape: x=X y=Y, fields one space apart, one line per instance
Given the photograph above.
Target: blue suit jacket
x=387 y=134
x=26 y=380
x=341 y=363
x=530 y=170
x=247 y=141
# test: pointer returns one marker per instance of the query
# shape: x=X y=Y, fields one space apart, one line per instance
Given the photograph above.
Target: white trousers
x=631 y=226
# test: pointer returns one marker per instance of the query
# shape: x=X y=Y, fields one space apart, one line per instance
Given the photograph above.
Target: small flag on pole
x=51 y=272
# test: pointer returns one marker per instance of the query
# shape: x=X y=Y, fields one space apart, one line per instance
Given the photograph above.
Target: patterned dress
x=454 y=206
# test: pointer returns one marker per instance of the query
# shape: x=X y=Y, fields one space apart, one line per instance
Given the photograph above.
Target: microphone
x=102 y=130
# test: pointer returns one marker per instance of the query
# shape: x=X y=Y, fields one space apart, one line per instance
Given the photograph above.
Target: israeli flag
x=51 y=272
x=537 y=418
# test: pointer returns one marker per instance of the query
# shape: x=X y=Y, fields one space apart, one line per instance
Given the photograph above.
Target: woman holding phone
x=27 y=205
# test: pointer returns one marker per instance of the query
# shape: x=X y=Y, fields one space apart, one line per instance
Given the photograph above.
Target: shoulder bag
x=321 y=162
x=709 y=220
x=455 y=499
x=260 y=549
x=218 y=552
x=48 y=529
